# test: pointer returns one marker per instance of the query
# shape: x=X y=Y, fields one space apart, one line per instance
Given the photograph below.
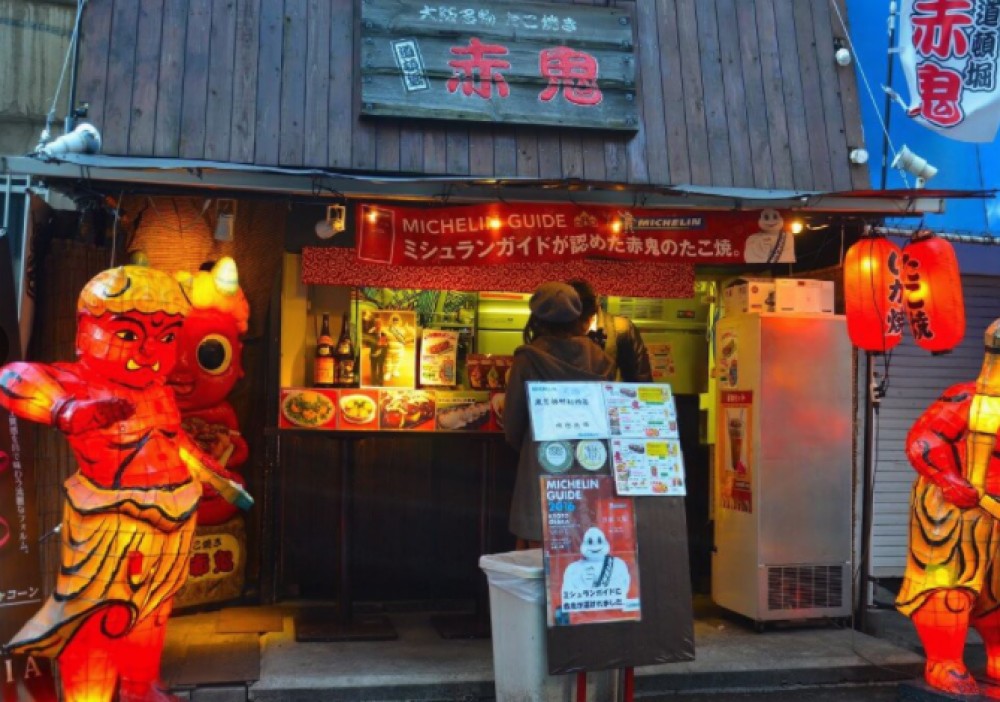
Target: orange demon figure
x=952 y=575
x=130 y=509
x=209 y=363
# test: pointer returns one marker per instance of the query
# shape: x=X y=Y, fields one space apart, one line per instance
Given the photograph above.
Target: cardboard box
x=800 y=295
x=748 y=295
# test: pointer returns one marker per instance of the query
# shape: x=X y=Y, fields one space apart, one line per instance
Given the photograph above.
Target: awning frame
x=73 y=172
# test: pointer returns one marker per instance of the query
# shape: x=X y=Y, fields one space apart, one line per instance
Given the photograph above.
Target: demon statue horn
x=129 y=512
x=952 y=577
x=209 y=363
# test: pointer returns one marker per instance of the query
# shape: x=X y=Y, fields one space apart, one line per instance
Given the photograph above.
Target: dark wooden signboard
x=510 y=62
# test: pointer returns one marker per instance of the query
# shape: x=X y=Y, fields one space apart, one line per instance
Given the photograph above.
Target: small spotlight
x=909 y=162
x=796 y=226
x=495 y=223
x=616 y=226
x=859 y=157
x=372 y=215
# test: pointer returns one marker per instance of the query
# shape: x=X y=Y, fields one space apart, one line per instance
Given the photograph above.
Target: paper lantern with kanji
x=873 y=294
x=933 y=294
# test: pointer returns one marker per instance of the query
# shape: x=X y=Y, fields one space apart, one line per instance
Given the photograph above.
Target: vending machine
x=782 y=493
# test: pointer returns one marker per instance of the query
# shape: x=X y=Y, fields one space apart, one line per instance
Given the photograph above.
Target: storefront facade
x=271 y=108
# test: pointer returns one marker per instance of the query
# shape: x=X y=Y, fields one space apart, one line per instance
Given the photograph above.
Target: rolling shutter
x=915 y=380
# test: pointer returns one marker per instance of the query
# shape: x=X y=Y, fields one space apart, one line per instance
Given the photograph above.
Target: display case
x=445 y=355
x=418 y=366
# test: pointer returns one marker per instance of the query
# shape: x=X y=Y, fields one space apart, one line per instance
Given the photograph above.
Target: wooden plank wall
x=33 y=39
x=731 y=93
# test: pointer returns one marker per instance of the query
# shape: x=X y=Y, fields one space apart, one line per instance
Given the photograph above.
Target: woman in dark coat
x=555 y=349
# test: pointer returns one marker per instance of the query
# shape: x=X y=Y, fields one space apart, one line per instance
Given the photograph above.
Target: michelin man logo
x=772 y=244
x=598 y=580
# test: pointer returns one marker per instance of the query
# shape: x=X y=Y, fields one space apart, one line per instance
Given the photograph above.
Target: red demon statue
x=952 y=574
x=130 y=509
x=209 y=353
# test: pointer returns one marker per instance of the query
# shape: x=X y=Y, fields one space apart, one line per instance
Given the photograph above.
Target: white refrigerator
x=782 y=492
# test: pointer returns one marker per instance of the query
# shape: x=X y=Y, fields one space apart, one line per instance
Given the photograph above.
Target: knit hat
x=555 y=302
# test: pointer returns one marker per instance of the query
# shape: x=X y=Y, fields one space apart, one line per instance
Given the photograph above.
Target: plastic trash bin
x=517 y=615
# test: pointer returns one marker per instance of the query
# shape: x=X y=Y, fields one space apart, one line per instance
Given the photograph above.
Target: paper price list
x=640 y=411
x=648 y=467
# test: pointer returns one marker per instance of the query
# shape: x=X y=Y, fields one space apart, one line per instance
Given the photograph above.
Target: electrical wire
x=50 y=117
x=864 y=79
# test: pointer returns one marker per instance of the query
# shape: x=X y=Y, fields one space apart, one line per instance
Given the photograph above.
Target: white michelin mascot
x=598 y=577
x=772 y=244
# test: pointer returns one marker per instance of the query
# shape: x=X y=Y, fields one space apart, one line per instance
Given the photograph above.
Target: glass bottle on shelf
x=324 y=365
x=344 y=355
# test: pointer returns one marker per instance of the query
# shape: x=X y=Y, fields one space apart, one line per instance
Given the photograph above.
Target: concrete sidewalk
x=730 y=656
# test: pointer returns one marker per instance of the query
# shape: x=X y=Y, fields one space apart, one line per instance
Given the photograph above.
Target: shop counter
x=388 y=432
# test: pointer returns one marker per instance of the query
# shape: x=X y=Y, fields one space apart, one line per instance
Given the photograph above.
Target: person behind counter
x=618 y=336
x=555 y=349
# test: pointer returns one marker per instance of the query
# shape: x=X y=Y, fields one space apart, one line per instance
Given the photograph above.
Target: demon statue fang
x=952 y=575
x=130 y=509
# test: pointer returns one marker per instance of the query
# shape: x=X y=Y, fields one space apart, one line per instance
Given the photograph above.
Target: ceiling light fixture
x=225 y=222
x=334 y=223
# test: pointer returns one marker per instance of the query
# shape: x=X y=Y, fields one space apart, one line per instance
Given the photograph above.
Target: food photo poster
x=438 y=357
x=390 y=359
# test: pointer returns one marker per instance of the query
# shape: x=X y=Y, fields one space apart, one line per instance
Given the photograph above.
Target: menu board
x=438 y=357
x=639 y=410
x=645 y=446
x=648 y=467
x=562 y=411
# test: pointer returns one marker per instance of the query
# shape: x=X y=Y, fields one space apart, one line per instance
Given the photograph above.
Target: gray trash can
x=517 y=614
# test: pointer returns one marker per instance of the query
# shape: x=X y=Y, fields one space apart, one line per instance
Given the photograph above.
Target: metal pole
x=887 y=110
x=868 y=492
x=70 y=122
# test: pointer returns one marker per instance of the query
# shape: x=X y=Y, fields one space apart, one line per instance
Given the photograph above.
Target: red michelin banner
x=511 y=233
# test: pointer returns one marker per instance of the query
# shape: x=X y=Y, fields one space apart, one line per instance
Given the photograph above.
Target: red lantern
x=873 y=296
x=933 y=294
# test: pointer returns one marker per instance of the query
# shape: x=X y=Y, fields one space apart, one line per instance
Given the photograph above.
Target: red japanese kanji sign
x=566 y=65
x=498 y=233
x=949 y=53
